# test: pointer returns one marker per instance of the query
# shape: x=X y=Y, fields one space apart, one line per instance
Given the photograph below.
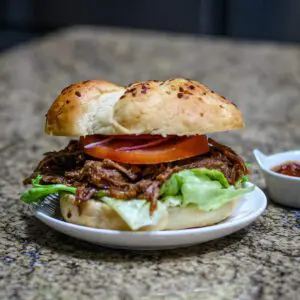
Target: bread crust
x=97 y=214
x=83 y=108
x=176 y=106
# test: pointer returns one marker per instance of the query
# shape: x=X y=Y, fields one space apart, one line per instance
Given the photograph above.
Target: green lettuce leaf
x=207 y=189
x=136 y=212
x=244 y=179
x=173 y=201
x=38 y=191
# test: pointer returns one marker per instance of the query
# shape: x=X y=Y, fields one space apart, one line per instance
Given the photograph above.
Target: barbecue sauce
x=289 y=168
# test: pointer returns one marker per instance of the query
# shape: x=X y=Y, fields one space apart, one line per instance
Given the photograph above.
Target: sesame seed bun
x=178 y=106
x=173 y=107
x=83 y=108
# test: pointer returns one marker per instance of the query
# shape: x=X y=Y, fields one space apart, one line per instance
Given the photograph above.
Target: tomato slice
x=145 y=149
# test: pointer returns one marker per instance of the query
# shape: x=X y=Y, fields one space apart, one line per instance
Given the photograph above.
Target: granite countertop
x=258 y=262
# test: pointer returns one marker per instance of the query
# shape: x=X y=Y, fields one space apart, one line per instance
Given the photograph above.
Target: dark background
x=278 y=20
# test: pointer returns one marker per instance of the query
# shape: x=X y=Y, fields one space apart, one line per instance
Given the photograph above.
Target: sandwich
x=140 y=158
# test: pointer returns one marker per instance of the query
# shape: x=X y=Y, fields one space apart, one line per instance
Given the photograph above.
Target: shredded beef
x=84 y=192
x=72 y=167
x=131 y=172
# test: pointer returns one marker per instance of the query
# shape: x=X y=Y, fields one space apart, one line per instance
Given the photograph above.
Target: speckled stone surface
x=259 y=262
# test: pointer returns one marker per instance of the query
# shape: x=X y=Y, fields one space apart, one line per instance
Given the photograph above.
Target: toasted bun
x=178 y=106
x=99 y=215
x=83 y=108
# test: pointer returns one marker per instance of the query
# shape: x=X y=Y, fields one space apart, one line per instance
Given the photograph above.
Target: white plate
x=249 y=208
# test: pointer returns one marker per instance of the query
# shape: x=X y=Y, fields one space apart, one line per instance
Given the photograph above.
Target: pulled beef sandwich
x=142 y=160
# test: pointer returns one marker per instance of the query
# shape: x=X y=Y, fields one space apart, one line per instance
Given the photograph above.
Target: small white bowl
x=282 y=189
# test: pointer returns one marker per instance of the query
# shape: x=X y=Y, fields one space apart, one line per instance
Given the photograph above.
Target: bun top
x=176 y=106
x=83 y=108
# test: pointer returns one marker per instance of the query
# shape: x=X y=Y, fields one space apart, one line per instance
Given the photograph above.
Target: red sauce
x=289 y=168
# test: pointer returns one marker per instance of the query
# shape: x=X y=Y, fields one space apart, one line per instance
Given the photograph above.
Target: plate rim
x=167 y=233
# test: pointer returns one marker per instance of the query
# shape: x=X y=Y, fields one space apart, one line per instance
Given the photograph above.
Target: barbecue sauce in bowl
x=289 y=168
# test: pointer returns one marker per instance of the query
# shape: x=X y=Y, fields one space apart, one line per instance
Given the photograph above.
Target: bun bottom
x=99 y=215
